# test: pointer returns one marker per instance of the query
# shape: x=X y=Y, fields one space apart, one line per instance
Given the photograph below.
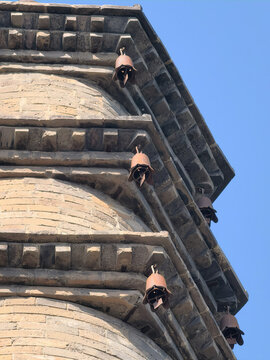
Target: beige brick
x=21 y=333
x=5 y=342
x=6 y=357
x=64 y=110
x=28 y=325
x=21 y=350
x=20 y=301
x=62 y=328
x=22 y=317
x=40 y=342
x=36 y=357
x=51 y=302
x=14 y=228
x=44 y=310
x=69 y=354
x=7 y=325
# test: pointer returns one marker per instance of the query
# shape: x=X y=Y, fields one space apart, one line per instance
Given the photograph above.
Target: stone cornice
x=160 y=89
x=168 y=259
x=108 y=171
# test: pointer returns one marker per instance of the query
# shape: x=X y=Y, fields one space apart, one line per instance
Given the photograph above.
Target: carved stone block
x=44 y=22
x=15 y=39
x=92 y=257
x=97 y=23
x=16 y=19
x=49 y=140
x=3 y=254
x=124 y=258
x=71 y=23
x=78 y=140
x=21 y=138
x=62 y=256
x=30 y=256
x=69 y=42
x=43 y=40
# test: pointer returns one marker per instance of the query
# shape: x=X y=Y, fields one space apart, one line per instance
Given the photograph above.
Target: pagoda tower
x=78 y=238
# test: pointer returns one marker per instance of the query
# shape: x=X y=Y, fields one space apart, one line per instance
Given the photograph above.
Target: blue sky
x=221 y=49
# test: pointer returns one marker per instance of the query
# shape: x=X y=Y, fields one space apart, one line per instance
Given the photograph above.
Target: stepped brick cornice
x=72 y=227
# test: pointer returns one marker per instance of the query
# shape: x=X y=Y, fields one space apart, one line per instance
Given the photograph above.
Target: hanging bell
x=156 y=292
x=141 y=169
x=124 y=69
x=231 y=331
x=206 y=207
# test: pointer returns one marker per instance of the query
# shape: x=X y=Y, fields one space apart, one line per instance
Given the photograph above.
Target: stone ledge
x=67 y=158
x=129 y=123
x=157 y=239
x=70 y=9
x=144 y=122
x=151 y=51
x=93 y=72
x=76 y=58
x=97 y=175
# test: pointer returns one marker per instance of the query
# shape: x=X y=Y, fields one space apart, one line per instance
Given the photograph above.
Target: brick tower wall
x=37 y=328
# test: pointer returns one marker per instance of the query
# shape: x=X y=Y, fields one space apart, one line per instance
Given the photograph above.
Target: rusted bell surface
x=156 y=292
x=206 y=207
x=141 y=169
x=231 y=331
x=124 y=69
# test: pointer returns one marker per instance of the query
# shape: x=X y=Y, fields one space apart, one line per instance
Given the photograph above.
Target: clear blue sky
x=221 y=49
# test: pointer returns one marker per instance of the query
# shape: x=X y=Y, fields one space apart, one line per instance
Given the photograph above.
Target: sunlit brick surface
x=44 y=95
x=54 y=206
x=44 y=329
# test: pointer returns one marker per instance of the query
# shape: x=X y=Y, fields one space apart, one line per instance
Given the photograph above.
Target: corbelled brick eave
x=179 y=93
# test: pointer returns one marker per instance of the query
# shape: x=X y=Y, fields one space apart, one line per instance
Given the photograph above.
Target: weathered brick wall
x=47 y=205
x=38 y=328
x=36 y=94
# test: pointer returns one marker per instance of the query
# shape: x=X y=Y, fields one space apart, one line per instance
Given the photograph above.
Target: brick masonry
x=35 y=205
x=38 y=328
x=45 y=95
x=64 y=123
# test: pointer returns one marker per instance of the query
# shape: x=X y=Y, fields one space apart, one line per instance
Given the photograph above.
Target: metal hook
x=122 y=51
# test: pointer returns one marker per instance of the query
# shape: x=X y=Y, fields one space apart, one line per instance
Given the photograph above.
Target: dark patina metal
x=124 y=69
x=231 y=331
x=141 y=169
x=156 y=292
x=206 y=207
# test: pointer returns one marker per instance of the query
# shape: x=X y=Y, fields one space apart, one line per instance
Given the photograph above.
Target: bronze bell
x=124 y=69
x=141 y=169
x=231 y=331
x=156 y=292
x=206 y=207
